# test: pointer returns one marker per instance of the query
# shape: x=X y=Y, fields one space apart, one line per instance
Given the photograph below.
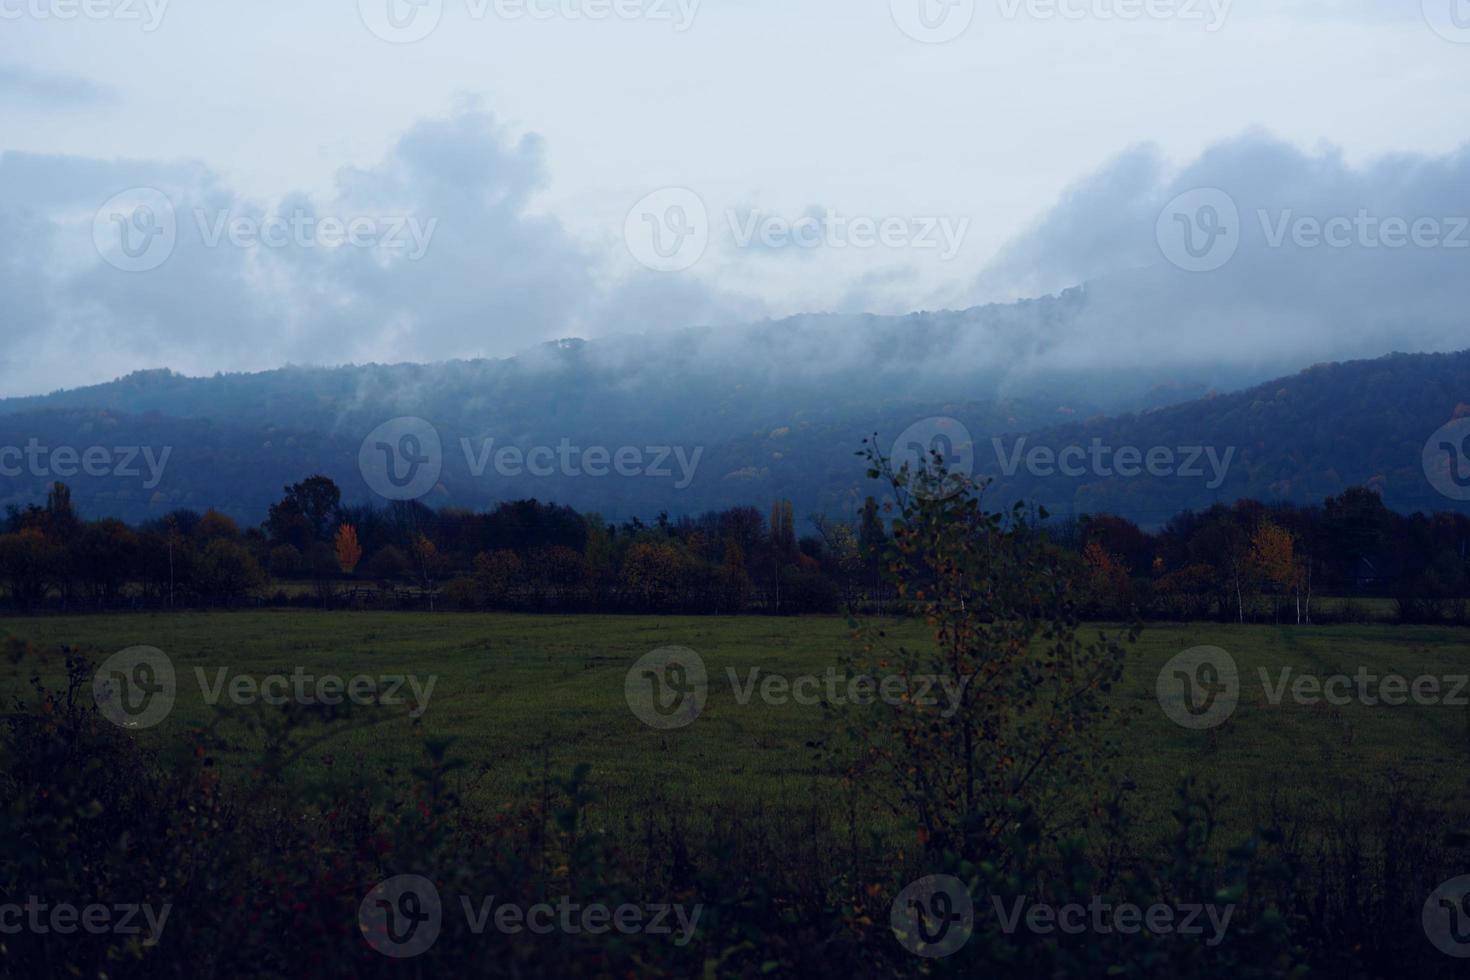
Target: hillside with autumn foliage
x=1298 y=439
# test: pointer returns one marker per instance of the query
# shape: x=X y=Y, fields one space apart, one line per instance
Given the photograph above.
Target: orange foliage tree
x=349 y=551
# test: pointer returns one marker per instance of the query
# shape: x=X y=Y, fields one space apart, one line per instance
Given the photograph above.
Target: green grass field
x=528 y=694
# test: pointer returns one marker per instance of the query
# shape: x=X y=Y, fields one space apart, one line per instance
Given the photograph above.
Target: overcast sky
x=492 y=163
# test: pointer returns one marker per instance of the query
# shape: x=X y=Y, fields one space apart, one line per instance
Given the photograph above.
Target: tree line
x=1246 y=562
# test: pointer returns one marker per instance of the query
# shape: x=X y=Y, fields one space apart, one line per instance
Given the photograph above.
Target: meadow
x=530 y=697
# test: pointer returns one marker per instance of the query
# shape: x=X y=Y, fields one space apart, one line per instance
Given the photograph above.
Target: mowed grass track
x=527 y=695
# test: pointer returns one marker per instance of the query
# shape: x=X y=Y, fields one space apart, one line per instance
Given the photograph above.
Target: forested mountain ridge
x=1299 y=438
x=232 y=441
x=698 y=382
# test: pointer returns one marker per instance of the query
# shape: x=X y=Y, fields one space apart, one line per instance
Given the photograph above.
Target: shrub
x=461 y=593
x=807 y=590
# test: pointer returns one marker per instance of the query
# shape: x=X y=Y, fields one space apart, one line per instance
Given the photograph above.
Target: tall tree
x=783 y=544
x=1273 y=553
x=349 y=551
x=308 y=512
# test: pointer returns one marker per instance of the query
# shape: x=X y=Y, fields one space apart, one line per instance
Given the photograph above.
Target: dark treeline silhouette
x=1248 y=562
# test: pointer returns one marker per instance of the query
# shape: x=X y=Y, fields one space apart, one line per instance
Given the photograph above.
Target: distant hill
x=786 y=428
x=705 y=383
x=1299 y=438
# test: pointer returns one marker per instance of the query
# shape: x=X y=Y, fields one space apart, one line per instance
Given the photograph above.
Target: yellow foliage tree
x=1273 y=553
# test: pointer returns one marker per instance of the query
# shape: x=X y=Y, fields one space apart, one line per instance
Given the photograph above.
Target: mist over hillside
x=696 y=437
x=706 y=382
x=1128 y=317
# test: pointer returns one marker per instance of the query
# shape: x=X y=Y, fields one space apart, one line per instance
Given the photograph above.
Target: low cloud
x=47 y=90
x=494 y=276
x=1286 y=295
x=497 y=277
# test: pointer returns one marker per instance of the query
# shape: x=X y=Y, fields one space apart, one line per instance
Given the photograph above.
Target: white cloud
x=1334 y=260
x=492 y=279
